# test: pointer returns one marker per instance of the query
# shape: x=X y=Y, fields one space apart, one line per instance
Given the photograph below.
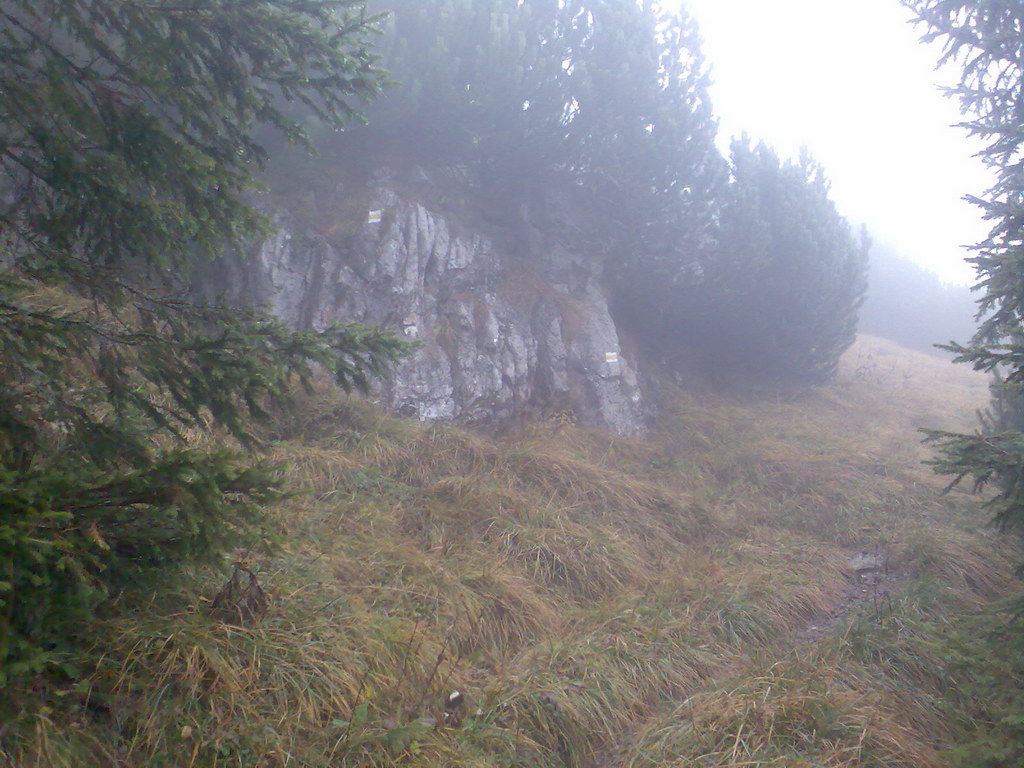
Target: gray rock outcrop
x=504 y=334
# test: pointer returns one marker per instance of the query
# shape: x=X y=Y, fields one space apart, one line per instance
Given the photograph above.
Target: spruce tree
x=986 y=37
x=478 y=85
x=642 y=147
x=126 y=148
x=780 y=299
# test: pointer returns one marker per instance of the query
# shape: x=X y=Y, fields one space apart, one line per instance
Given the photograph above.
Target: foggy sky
x=849 y=79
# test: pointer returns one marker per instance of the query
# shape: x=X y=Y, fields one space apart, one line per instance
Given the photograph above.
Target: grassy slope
x=685 y=600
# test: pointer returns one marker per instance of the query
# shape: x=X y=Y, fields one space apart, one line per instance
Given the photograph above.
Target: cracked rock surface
x=504 y=335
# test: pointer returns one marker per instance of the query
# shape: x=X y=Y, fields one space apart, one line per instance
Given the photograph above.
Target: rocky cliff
x=506 y=332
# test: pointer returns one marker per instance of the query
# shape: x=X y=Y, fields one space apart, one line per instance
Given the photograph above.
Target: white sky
x=849 y=79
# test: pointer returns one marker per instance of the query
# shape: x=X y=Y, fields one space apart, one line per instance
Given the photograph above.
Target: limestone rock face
x=504 y=334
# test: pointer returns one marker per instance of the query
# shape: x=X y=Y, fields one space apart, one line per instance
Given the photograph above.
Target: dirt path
x=870 y=583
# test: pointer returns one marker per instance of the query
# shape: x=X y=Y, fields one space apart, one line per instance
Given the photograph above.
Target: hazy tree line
x=912 y=305
x=590 y=121
x=129 y=138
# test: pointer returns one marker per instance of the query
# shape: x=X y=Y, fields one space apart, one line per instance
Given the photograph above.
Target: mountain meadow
x=768 y=579
x=418 y=383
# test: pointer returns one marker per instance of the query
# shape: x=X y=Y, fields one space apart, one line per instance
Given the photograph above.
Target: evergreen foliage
x=987 y=38
x=479 y=85
x=604 y=95
x=126 y=145
x=653 y=177
x=780 y=300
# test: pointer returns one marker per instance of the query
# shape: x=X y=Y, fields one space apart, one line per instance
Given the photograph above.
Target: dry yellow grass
x=599 y=601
